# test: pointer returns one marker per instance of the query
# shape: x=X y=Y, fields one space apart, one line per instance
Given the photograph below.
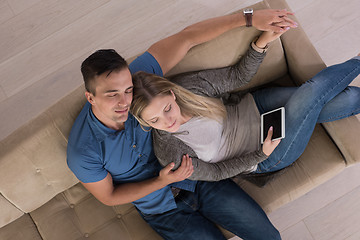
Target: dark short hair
x=98 y=63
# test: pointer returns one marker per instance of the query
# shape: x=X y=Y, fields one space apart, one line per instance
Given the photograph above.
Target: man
x=113 y=158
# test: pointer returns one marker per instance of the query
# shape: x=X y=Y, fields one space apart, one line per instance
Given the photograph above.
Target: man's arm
x=169 y=51
x=111 y=195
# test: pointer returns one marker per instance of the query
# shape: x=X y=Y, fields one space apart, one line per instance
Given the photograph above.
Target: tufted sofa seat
x=41 y=199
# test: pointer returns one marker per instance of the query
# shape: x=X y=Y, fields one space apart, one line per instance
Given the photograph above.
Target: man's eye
x=113 y=95
x=168 y=109
x=129 y=91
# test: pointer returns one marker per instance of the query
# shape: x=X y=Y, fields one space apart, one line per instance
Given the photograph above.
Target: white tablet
x=276 y=119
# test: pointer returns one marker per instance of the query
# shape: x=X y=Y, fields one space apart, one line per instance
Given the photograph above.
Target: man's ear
x=90 y=97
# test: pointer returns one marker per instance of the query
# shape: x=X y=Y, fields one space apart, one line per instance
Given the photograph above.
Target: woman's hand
x=186 y=169
x=269 y=145
x=266 y=37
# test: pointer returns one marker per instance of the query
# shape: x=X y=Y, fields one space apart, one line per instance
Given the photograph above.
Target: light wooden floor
x=43 y=42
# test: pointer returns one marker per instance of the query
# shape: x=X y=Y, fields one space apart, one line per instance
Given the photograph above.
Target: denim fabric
x=223 y=203
x=326 y=97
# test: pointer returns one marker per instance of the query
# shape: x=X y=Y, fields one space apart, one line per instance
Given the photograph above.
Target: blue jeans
x=223 y=203
x=326 y=97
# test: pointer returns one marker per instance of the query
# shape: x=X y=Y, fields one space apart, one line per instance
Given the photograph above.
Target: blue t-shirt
x=95 y=150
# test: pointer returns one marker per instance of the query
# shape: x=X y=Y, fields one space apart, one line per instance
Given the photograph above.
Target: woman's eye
x=168 y=109
x=154 y=121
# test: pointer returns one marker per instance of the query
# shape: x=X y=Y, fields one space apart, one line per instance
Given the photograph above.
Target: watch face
x=248 y=10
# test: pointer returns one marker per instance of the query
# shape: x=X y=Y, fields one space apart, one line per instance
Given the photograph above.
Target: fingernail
x=271 y=128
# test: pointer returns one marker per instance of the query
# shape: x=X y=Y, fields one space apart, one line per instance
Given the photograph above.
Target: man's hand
x=269 y=145
x=185 y=170
x=272 y=20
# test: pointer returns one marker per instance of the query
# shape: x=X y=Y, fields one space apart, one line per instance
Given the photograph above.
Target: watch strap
x=248 y=13
x=248 y=19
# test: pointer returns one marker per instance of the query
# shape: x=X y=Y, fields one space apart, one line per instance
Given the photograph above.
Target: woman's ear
x=173 y=94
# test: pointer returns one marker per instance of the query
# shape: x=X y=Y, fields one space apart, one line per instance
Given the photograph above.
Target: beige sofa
x=41 y=199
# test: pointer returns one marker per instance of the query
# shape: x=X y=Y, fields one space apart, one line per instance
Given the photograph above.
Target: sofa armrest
x=302 y=58
x=303 y=63
x=345 y=133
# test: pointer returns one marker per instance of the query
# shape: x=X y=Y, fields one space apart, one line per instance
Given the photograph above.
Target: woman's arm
x=216 y=82
x=170 y=149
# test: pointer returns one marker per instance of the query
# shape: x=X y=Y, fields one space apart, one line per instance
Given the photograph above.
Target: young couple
x=113 y=157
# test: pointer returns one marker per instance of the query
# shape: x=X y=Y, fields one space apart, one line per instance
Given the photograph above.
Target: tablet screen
x=272 y=119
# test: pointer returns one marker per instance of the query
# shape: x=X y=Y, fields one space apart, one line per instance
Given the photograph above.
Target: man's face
x=113 y=96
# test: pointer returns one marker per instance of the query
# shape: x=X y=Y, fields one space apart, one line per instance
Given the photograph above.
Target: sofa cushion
x=23 y=228
x=320 y=162
x=76 y=214
x=65 y=111
x=346 y=138
x=33 y=164
x=8 y=211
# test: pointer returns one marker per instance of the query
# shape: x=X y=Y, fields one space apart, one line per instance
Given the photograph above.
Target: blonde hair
x=147 y=86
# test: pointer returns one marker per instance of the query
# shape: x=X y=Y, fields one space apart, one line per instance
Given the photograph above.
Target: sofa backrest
x=33 y=159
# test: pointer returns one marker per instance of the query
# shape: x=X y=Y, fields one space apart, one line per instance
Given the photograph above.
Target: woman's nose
x=169 y=121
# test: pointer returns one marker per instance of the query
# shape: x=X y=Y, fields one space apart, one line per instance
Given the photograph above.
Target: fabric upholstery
x=33 y=164
x=23 y=228
x=76 y=214
x=8 y=212
x=346 y=138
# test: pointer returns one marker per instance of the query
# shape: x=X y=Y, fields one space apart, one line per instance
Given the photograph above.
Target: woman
x=223 y=140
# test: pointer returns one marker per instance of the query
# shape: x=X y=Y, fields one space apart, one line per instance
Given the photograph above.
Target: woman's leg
x=303 y=109
x=345 y=104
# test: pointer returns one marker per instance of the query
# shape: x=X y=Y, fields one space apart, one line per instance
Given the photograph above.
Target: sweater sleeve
x=170 y=149
x=216 y=82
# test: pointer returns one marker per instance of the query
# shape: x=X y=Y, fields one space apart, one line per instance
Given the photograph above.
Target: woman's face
x=163 y=113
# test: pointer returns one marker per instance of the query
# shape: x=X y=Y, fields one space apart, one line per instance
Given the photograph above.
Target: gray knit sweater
x=212 y=83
